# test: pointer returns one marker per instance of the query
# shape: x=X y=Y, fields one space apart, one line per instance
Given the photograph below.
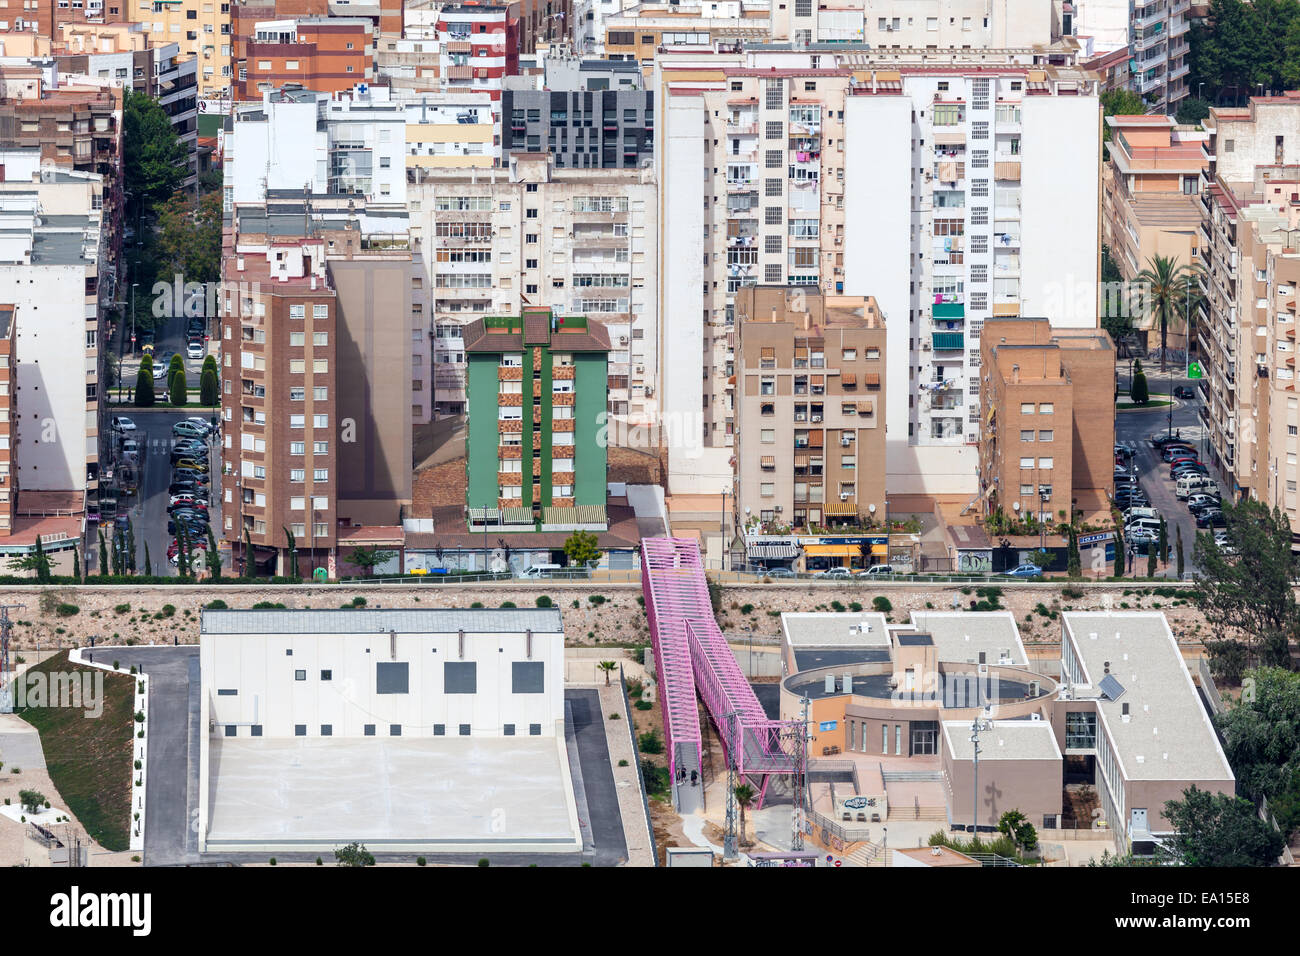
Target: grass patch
x=89 y=761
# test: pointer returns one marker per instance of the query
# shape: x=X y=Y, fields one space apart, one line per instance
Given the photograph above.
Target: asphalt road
x=609 y=847
x=173 y=749
x=1138 y=427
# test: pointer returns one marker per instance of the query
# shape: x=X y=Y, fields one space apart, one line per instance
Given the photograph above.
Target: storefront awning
x=831 y=550
x=838 y=509
x=778 y=551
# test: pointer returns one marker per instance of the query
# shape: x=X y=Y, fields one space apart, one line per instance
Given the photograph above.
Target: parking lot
x=1137 y=427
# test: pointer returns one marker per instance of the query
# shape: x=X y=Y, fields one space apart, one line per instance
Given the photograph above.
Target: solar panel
x=1112 y=688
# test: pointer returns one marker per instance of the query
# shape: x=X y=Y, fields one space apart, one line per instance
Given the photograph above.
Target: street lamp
x=133 y=287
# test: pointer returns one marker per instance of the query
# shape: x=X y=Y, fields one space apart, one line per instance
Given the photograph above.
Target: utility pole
x=800 y=775
x=729 y=841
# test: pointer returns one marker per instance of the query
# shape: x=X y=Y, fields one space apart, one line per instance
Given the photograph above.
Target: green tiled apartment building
x=536 y=390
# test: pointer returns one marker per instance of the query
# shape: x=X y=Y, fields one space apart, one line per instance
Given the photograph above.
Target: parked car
x=1024 y=571
x=778 y=573
x=1188 y=468
x=189 y=474
x=190 y=504
x=1173 y=452
x=186 y=487
x=199 y=547
x=1161 y=439
x=197 y=527
x=874 y=570
x=186 y=498
x=1134 y=513
x=189 y=429
x=836 y=573
x=1201 y=500
x=159 y=371
x=1136 y=499
x=193 y=464
x=1182 y=391
x=1211 y=518
x=195 y=349
x=123 y=424
x=196 y=454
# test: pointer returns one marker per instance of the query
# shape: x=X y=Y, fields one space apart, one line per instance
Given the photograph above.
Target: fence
x=1212 y=695
x=640 y=774
x=1287 y=858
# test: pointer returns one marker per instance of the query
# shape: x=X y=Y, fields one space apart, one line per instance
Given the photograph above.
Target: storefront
x=860 y=551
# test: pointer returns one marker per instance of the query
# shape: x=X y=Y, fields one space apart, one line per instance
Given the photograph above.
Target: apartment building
x=478 y=44
x=246 y=14
x=810 y=447
x=581 y=242
x=639 y=32
x=1151 y=206
x=316 y=400
x=753 y=160
x=1248 y=148
x=323 y=54
x=200 y=27
x=1146 y=44
x=76 y=126
x=605 y=129
x=899 y=24
x=1047 y=445
x=452 y=131
x=536 y=381
x=52 y=256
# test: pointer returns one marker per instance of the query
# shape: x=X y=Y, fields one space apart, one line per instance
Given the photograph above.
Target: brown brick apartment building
x=316 y=394
x=1049 y=435
x=324 y=54
x=810 y=408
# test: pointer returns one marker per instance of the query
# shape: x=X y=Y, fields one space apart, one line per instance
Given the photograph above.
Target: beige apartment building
x=1253 y=155
x=1150 y=202
x=200 y=27
x=810 y=449
x=579 y=241
x=1048 y=445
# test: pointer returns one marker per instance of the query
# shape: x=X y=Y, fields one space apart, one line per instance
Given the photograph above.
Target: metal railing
x=636 y=753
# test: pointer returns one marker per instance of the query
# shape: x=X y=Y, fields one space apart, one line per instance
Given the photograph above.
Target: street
x=1138 y=427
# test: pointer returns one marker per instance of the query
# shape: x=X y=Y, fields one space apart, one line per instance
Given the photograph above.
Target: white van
x=1133 y=514
x=541 y=571
x=1190 y=484
x=1145 y=524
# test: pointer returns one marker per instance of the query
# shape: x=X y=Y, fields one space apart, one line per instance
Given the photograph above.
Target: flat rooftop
x=1168 y=734
x=835 y=630
x=383 y=620
x=447 y=794
x=959 y=636
x=1008 y=740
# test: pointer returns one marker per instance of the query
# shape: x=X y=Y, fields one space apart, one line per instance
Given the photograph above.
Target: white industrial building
x=408 y=730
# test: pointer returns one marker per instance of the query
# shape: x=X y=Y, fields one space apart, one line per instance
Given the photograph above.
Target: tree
x=177 y=387
x=1074 y=567
x=130 y=547
x=33 y=801
x=37 y=562
x=354 y=854
x=1261 y=734
x=1119 y=551
x=608 y=667
x=1192 y=111
x=1044 y=559
x=1178 y=536
x=1244 y=45
x=1151 y=560
x=148 y=565
x=189 y=238
x=154 y=159
x=581 y=549
x=76 y=563
x=1171 y=292
x=1217 y=829
x=144 y=394
x=1016 y=825
x=1164 y=541
x=291 y=544
x=744 y=798
x=213 y=558
x=1247 y=592
x=1137 y=387
x=209 y=387
x=103 y=554
x=370 y=558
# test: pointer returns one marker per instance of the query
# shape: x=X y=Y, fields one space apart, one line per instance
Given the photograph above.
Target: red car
x=198 y=544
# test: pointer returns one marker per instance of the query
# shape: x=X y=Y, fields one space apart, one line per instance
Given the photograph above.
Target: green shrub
x=358 y=601
x=545 y=601
x=882 y=604
x=217 y=605
x=122 y=609
x=650 y=742
x=837 y=607
x=644 y=705
x=508 y=604
x=168 y=610
x=747 y=609
x=854 y=606
x=67 y=610
x=621 y=763
x=419 y=861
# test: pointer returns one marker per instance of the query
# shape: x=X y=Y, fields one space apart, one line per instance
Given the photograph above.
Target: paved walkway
x=618 y=733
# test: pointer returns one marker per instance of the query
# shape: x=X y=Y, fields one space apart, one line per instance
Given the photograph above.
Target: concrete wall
x=1031 y=786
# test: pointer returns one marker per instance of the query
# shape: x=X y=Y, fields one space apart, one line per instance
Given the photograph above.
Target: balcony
x=948 y=310
x=948 y=341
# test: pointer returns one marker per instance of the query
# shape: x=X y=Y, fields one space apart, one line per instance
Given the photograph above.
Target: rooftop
x=1008 y=740
x=383 y=620
x=831 y=630
x=960 y=636
x=1167 y=734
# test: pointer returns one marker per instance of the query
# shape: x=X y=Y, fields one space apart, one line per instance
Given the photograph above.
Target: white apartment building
x=933 y=24
x=452 y=130
x=580 y=241
x=296 y=139
x=446 y=726
x=962 y=178
x=1155 y=33
x=51 y=254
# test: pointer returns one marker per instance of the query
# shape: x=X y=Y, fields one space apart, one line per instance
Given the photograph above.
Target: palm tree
x=744 y=798
x=1172 y=292
x=608 y=668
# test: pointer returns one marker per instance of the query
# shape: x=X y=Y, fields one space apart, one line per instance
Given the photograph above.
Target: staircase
x=868 y=854
x=912 y=776
x=932 y=814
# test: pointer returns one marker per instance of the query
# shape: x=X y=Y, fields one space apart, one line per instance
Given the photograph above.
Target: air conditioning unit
x=844 y=443
x=925 y=346
x=844 y=496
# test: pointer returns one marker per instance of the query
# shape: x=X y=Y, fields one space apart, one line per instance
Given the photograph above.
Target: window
x=392 y=677
x=1026 y=408
x=528 y=677
x=1045 y=463
x=394 y=730
x=1026 y=434
x=300 y=730
x=534 y=730
x=1026 y=463
x=1046 y=435
x=459 y=677
x=369 y=730
x=1047 y=408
